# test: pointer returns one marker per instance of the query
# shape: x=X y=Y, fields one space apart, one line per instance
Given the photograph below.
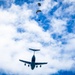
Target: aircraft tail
x=34 y=49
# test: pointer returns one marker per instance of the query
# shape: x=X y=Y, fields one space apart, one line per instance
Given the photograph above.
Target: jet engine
x=36 y=66
x=28 y=65
x=40 y=66
x=25 y=64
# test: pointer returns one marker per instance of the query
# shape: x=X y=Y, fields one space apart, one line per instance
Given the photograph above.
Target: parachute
x=39 y=4
x=38 y=11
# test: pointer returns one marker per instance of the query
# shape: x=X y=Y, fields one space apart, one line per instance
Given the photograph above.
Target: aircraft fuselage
x=33 y=62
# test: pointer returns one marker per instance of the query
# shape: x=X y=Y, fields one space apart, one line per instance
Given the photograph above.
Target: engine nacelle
x=40 y=66
x=25 y=64
x=28 y=65
x=36 y=66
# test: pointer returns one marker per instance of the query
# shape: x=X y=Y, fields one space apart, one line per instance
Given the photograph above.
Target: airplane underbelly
x=32 y=66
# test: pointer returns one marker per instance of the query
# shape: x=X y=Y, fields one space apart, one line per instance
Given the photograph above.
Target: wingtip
x=19 y=59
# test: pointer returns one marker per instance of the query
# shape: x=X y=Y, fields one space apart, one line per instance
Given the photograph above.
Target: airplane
x=33 y=63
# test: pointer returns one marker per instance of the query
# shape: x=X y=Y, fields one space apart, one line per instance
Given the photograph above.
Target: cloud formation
x=18 y=32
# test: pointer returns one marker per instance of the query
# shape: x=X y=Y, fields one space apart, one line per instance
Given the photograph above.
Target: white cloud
x=70 y=46
x=67 y=9
x=69 y=1
x=58 y=25
x=47 y=5
x=7 y=17
x=34 y=36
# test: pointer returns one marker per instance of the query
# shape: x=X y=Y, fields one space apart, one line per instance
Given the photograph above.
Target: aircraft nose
x=32 y=68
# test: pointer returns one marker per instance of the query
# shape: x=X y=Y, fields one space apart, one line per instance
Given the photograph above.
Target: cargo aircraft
x=33 y=64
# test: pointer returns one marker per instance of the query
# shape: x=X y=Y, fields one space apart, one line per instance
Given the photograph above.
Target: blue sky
x=52 y=30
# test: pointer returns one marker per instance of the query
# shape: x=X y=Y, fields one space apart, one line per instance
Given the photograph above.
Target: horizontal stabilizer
x=34 y=49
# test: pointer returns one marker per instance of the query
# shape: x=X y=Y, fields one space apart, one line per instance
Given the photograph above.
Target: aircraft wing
x=25 y=61
x=39 y=63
